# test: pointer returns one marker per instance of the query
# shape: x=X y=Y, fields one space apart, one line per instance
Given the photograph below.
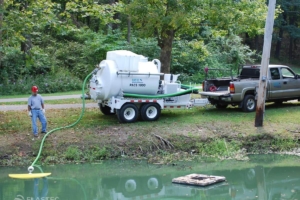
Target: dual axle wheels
x=130 y=112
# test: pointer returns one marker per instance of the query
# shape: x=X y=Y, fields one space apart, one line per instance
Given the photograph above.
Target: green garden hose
x=188 y=91
x=30 y=169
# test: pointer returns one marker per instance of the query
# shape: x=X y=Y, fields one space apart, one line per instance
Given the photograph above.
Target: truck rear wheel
x=150 y=112
x=249 y=103
x=105 y=109
x=128 y=113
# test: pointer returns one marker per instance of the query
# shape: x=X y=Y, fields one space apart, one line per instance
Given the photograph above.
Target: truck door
x=290 y=84
x=275 y=84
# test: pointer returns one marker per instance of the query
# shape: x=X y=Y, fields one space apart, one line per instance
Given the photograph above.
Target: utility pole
x=263 y=81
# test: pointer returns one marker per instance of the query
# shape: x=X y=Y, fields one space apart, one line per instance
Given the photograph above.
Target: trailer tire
x=249 y=103
x=105 y=110
x=150 y=112
x=128 y=113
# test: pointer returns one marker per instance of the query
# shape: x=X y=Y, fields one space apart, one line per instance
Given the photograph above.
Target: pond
x=262 y=177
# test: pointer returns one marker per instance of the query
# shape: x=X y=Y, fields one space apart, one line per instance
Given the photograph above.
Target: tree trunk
x=128 y=29
x=1 y=19
x=165 y=43
x=280 y=36
x=291 y=46
x=278 y=44
x=27 y=44
x=114 y=26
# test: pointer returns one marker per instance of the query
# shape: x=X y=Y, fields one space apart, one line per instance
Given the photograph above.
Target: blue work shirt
x=35 y=102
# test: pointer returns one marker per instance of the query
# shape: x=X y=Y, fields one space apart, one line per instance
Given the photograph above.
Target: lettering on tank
x=137 y=82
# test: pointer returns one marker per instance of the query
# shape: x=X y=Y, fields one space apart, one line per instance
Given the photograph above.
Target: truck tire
x=249 y=103
x=105 y=110
x=150 y=111
x=128 y=113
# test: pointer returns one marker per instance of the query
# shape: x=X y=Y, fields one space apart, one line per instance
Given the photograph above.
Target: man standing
x=36 y=110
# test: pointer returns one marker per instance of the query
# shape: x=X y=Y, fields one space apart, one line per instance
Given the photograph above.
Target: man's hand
x=29 y=114
x=44 y=111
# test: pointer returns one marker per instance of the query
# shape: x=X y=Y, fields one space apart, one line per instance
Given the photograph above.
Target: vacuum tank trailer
x=129 y=85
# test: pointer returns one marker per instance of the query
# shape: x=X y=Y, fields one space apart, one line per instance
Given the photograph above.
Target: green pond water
x=262 y=177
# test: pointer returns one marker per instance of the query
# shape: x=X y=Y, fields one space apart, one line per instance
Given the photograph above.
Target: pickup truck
x=283 y=84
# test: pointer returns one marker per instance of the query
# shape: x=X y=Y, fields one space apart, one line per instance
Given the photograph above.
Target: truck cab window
x=275 y=74
x=287 y=73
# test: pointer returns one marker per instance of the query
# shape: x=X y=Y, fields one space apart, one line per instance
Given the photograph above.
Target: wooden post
x=260 y=108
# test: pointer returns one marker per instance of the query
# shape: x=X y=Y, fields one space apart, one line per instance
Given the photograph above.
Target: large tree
x=167 y=19
x=1 y=19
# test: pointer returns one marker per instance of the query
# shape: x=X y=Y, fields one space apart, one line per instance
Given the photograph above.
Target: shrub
x=63 y=81
x=72 y=153
x=96 y=153
x=218 y=147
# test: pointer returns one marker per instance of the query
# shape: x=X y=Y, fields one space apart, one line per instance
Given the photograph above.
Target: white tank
x=125 y=72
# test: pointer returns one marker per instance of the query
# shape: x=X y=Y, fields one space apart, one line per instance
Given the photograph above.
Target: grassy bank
x=177 y=135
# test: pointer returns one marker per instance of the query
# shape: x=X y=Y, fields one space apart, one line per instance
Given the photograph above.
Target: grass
x=51 y=94
x=59 y=101
x=205 y=130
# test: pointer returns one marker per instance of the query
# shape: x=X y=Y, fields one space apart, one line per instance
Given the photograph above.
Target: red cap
x=34 y=89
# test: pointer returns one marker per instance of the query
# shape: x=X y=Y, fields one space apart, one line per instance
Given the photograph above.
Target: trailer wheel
x=150 y=112
x=128 y=113
x=105 y=109
x=249 y=103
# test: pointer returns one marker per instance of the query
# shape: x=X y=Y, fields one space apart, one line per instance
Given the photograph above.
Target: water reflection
x=102 y=182
x=36 y=192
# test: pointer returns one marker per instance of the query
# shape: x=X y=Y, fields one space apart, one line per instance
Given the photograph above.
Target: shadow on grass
x=283 y=105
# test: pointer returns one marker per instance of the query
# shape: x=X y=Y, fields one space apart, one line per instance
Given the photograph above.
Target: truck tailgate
x=215 y=94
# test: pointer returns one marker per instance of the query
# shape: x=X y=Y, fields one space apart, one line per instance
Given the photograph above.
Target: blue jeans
x=44 y=192
x=38 y=114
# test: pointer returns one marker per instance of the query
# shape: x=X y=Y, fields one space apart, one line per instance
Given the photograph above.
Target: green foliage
x=187 y=56
x=62 y=81
x=221 y=52
x=228 y=52
x=156 y=17
x=11 y=65
x=218 y=147
x=283 y=144
x=55 y=44
x=96 y=153
x=235 y=17
x=73 y=153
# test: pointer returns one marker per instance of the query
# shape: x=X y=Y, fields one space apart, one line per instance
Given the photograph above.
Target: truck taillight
x=231 y=87
x=203 y=86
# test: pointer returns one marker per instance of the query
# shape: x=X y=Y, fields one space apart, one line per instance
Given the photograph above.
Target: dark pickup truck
x=283 y=84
